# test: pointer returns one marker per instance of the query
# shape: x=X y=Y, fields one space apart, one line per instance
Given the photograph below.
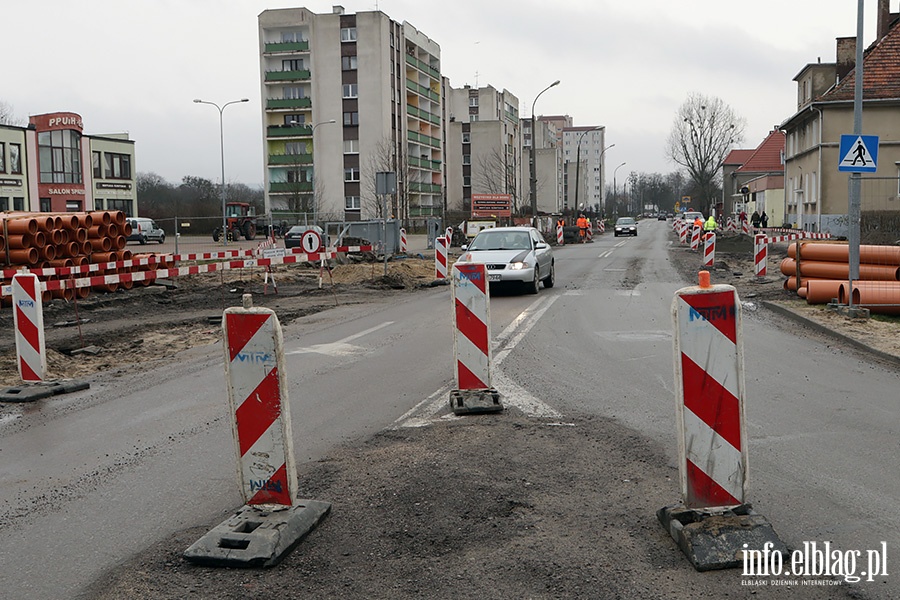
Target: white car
x=513 y=255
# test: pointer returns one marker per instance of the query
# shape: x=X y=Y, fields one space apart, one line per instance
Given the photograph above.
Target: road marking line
x=340 y=347
x=606 y=254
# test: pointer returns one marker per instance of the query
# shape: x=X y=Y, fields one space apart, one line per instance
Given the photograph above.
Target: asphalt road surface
x=91 y=479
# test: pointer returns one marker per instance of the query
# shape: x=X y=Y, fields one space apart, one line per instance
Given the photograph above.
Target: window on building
x=299 y=175
x=2 y=157
x=124 y=205
x=294 y=148
x=292 y=120
x=350 y=90
x=292 y=36
x=351 y=146
x=292 y=92
x=352 y=203
x=19 y=203
x=95 y=165
x=74 y=206
x=15 y=159
x=118 y=166
x=348 y=63
x=466 y=137
x=467 y=181
x=351 y=118
x=59 y=155
x=98 y=204
x=348 y=34
x=473 y=100
x=292 y=64
x=467 y=159
x=473 y=118
x=351 y=174
x=4 y=203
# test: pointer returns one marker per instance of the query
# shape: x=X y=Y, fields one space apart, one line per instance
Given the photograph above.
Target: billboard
x=491 y=205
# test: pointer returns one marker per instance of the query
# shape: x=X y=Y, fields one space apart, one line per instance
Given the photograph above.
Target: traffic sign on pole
x=858 y=153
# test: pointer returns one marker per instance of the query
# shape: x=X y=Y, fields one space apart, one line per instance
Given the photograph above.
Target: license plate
x=492 y=277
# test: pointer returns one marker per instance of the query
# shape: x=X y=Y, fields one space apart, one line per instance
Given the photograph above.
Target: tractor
x=240 y=220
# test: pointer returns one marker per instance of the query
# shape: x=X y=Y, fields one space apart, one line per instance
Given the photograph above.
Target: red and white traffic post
x=682 y=232
x=709 y=249
x=695 y=237
x=28 y=317
x=760 y=254
x=471 y=298
x=560 y=237
x=273 y=519
x=440 y=257
x=403 y=244
x=712 y=438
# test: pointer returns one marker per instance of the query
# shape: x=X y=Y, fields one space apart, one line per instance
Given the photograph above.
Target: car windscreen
x=625 y=222
x=501 y=240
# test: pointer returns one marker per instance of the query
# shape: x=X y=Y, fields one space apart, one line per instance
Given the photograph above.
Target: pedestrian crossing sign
x=859 y=153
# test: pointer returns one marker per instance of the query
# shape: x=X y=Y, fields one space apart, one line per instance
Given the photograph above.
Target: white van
x=145 y=230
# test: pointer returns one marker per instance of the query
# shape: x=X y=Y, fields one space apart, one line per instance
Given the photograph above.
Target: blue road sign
x=858 y=154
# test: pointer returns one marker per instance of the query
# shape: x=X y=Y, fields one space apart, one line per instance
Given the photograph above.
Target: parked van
x=145 y=230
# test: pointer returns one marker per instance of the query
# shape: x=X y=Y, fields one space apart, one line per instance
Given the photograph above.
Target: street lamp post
x=600 y=166
x=533 y=165
x=578 y=165
x=313 y=179
x=615 y=189
x=221 y=109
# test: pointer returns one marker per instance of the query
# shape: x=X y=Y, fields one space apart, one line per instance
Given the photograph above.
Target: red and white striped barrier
x=470 y=292
x=560 y=238
x=440 y=258
x=28 y=317
x=709 y=376
x=683 y=233
x=257 y=395
x=745 y=228
x=731 y=227
x=590 y=234
x=709 y=249
x=695 y=237
x=448 y=233
x=403 y=244
x=760 y=254
x=602 y=226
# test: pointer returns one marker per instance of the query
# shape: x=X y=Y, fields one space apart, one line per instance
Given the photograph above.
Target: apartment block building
x=546 y=140
x=484 y=148
x=346 y=96
x=583 y=167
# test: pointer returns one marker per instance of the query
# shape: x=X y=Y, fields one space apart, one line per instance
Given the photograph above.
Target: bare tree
x=494 y=174
x=7 y=117
x=387 y=157
x=704 y=131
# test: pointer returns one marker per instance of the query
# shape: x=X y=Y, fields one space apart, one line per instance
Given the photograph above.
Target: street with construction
x=306 y=424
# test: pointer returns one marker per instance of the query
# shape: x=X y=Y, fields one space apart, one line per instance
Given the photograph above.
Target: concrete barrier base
x=29 y=392
x=716 y=540
x=257 y=537
x=464 y=402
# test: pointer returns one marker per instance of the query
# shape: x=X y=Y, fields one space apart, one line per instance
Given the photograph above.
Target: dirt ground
x=469 y=508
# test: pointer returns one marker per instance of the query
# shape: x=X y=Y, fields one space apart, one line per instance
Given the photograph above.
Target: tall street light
x=222 y=147
x=533 y=166
x=615 y=189
x=600 y=160
x=313 y=178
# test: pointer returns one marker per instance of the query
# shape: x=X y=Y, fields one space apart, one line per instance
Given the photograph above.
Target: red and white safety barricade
x=601 y=226
x=440 y=258
x=257 y=396
x=403 y=244
x=28 y=318
x=590 y=234
x=695 y=237
x=682 y=233
x=709 y=249
x=745 y=227
x=448 y=233
x=731 y=226
x=709 y=377
x=472 y=341
x=760 y=254
x=560 y=237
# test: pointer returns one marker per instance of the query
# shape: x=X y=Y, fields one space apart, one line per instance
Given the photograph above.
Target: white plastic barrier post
x=440 y=258
x=403 y=244
x=745 y=227
x=472 y=341
x=760 y=254
x=709 y=249
x=448 y=233
x=695 y=237
x=560 y=238
x=709 y=377
x=682 y=233
x=28 y=317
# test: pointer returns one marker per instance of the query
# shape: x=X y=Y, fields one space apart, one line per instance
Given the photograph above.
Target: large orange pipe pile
x=822 y=272
x=52 y=240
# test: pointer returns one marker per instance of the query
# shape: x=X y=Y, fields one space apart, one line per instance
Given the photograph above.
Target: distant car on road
x=145 y=230
x=625 y=226
x=661 y=217
x=513 y=255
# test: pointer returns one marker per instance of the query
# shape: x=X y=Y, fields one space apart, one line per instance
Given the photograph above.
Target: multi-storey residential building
x=815 y=190
x=346 y=96
x=51 y=166
x=483 y=150
x=583 y=167
x=548 y=171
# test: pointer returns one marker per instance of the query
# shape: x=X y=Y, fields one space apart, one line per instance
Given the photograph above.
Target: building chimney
x=884 y=18
x=845 y=56
x=337 y=9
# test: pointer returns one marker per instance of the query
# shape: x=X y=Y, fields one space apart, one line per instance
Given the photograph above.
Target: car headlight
x=518 y=266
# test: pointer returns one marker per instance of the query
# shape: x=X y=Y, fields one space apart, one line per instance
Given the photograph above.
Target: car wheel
x=550 y=280
x=143 y=240
x=535 y=286
x=162 y=239
x=615 y=235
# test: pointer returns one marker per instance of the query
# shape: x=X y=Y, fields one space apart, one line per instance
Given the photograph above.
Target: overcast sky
x=628 y=65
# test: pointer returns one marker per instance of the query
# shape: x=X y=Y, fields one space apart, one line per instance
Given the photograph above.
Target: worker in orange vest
x=582 y=224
